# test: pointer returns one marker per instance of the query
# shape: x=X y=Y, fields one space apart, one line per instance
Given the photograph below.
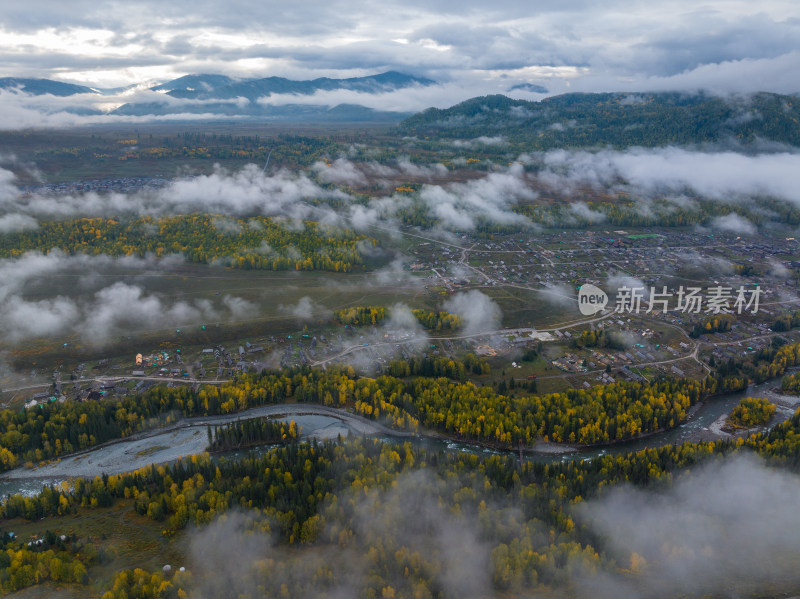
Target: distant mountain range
x=220 y=87
x=294 y=113
x=616 y=120
x=570 y=120
x=40 y=87
x=529 y=87
x=224 y=96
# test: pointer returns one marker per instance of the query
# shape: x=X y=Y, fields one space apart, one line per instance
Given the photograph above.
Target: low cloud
x=23 y=319
x=23 y=111
x=690 y=259
x=305 y=309
x=409 y=99
x=239 y=308
x=128 y=307
x=233 y=193
x=114 y=309
x=16 y=273
x=587 y=214
x=108 y=310
x=734 y=223
x=402 y=319
x=479 y=312
x=234 y=557
x=777 y=74
x=14 y=223
x=717 y=175
x=247 y=191
x=730 y=524
x=410 y=514
x=7 y=188
x=777 y=269
x=412 y=169
x=558 y=294
x=483 y=140
x=458 y=206
x=393 y=274
x=339 y=172
x=226 y=225
x=212 y=550
x=343 y=171
x=726 y=528
x=403 y=325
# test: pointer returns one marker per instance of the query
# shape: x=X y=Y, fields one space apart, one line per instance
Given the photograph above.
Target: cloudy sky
x=473 y=47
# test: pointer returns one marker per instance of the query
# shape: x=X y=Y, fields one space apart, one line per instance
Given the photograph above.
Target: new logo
x=591 y=299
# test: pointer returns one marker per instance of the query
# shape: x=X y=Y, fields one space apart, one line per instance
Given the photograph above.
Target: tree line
x=312 y=497
x=374 y=315
x=461 y=409
x=259 y=242
x=250 y=432
x=713 y=324
x=601 y=338
x=437 y=366
x=751 y=411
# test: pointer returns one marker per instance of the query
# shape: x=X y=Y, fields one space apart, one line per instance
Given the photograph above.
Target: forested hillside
x=393 y=509
x=616 y=119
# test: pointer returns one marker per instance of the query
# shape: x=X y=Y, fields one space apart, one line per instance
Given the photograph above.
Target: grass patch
x=150 y=450
x=126 y=539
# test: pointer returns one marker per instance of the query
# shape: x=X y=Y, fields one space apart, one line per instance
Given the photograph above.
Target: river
x=189 y=436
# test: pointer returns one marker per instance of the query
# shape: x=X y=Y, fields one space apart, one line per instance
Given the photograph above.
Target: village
x=534 y=278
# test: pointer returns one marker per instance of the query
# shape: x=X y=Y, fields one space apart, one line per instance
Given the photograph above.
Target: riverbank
x=786 y=406
x=188 y=436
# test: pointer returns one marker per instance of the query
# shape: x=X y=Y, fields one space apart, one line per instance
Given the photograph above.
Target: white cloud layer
x=727 y=525
x=718 y=175
x=111 y=309
x=479 y=312
x=245 y=191
x=472 y=48
x=284 y=194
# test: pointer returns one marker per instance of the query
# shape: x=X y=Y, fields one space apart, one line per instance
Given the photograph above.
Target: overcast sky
x=472 y=46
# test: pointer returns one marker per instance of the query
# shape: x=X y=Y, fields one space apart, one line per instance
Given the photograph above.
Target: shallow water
x=327 y=423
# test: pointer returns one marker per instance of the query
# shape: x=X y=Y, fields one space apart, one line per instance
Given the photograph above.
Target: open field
x=528 y=271
x=512 y=271
x=55 y=155
x=122 y=538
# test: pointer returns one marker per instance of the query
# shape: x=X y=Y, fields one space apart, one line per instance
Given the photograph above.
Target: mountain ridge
x=211 y=86
x=204 y=87
x=619 y=119
x=39 y=87
x=224 y=96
